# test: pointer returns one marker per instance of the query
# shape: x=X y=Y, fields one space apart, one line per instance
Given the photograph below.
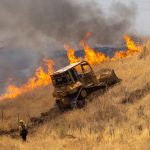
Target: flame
x=71 y=55
x=41 y=78
x=120 y=54
x=98 y=57
x=91 y=56
x=131 y=46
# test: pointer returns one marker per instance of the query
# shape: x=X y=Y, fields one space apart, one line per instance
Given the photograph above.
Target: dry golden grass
x=105 y=123
x=28 y=105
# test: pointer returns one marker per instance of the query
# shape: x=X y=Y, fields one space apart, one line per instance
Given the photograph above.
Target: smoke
x=66 y=21
x=31 y=29
x=32 y=23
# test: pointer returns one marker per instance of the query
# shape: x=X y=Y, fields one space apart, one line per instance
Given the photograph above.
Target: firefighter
x=23 y=130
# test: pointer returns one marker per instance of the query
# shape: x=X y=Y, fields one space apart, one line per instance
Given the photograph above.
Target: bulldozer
x=73 y=83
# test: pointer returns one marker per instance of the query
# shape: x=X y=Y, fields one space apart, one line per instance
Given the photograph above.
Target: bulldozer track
x=136 y=94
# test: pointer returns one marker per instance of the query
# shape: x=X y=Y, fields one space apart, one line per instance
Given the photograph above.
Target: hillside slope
x=117 y=119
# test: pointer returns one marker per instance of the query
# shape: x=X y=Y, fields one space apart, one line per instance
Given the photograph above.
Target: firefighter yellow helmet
x=21 y=121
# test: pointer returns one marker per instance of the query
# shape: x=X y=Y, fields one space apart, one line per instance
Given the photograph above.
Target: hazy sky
x=143 y=12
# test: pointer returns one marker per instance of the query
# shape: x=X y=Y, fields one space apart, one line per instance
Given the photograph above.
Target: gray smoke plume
x=31 y=29
x=40 y=22
x=66 y=21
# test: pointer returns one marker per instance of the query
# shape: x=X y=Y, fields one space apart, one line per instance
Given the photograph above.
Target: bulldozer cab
x=85 y=73
x=75 y=82
x=81 y=71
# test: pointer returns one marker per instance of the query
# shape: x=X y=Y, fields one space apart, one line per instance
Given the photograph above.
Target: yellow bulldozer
x=73 y=83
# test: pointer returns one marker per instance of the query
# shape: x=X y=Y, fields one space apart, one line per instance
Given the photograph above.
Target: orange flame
x=98 y=57
x=132 y=48
x=71 y=55
x=41 y=78
x=120 y=54
x=91 y=56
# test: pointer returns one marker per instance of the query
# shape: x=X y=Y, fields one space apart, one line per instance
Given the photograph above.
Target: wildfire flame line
x=42 y=78
x=97 y=57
